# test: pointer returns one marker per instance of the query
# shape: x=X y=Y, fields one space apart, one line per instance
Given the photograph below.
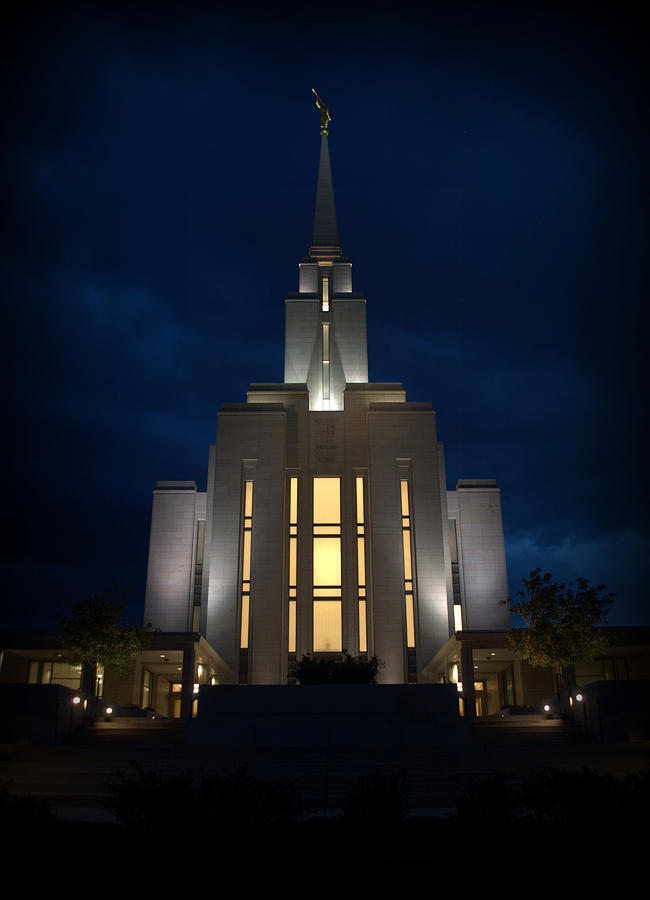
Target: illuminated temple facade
x=326 y=524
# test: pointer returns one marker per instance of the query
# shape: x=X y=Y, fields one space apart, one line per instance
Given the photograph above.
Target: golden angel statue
x=325 y=117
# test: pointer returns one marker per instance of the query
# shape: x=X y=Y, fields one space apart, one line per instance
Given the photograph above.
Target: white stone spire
x=325 y=237
x=325 y=332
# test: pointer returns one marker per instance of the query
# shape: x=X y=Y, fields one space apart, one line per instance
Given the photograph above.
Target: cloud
x=620 y=560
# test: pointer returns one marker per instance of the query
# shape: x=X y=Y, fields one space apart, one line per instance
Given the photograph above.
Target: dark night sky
x=161 y=174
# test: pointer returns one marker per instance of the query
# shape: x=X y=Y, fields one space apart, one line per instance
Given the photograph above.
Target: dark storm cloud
x=488 y=182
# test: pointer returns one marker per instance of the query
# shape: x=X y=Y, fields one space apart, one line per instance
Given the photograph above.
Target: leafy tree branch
x=560 y=620
x=94 y=633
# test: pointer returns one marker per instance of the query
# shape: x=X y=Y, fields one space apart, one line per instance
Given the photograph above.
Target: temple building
x=326 y=524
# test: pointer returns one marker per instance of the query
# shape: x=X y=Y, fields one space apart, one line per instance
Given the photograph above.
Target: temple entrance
x=480 y=697
x=175 y=689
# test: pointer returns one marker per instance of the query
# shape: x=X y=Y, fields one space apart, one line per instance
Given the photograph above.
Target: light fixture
x=547 y=708
x=196 y=688
x=76 y=700
x=108 y=710
x=579 y=698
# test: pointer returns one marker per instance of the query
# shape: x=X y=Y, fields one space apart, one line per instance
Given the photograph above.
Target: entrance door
x=175 y=700
x=480 y=697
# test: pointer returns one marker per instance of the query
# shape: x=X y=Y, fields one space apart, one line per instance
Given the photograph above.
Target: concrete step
x=517 y=730
x=74 y=777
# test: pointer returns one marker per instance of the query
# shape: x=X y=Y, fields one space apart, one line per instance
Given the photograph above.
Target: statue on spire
x=325 y=117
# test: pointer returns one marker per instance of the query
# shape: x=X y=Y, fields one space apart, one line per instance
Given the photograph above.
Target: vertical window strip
x=408 y=568
x=292 y=626
x=198 y=574
x=361 y=564
x=326 y=540
x=326 y=364
x=246 y=564
x=363 y=627
x=293 y=561
x=325 y=306
x=455 y=576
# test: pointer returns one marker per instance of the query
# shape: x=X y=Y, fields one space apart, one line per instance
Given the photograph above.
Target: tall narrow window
x=455 y=575
x=361 y=565
x=408 y=566
x=326 y=365
x=326 y=294
x=327 y=636
x=198 y=574
x=246 y=564
x=293 y=561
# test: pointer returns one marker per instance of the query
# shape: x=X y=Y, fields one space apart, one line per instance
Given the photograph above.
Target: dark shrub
x=344 y=669
x=376 y=798
x=149 y=798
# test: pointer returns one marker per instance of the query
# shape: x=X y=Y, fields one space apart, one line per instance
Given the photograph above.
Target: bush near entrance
x=344 y=669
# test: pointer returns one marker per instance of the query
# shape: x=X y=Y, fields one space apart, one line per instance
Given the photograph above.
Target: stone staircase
x=75 y=777
x=524 y=729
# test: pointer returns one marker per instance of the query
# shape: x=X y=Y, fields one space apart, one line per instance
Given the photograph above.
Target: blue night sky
x=161 y=171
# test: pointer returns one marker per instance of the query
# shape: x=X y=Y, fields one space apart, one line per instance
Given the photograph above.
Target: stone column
x=467 y=677
x=187 y=685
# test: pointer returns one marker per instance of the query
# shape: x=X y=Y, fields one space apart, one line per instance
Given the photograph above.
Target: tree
x=93 y=633
x=560 y=621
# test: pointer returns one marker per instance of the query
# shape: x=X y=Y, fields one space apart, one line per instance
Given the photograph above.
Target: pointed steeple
x=325 y=237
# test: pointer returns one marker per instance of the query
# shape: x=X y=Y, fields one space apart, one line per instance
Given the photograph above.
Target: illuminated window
x=146 y=700
x=326 y=294
x=327 y=562
x=361 y=564
x=408 y=567
x=66 y=674
x=327 y=626
x=455 y=575
x=55 y=672
x=326 y=541
x=99 y=680
x=326 y=365
x=198 y=574
x=327 y=501
x=293 y=561
x=246 y=564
